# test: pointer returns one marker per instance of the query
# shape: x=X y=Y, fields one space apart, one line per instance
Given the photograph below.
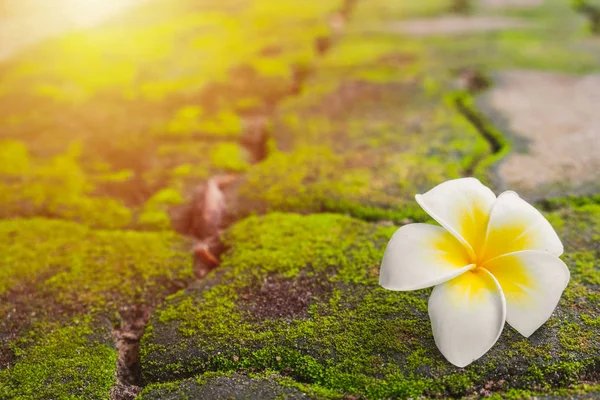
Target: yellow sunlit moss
x=154 y=213
x=151 y=61
x=57 y=187
x=185 y=121
x=14 y=158
x=230 y=156
x=225 y=123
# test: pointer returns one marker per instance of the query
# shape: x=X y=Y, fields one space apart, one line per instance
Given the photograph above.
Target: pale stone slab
x=511 y=3
x=454 y=25
x=559 y=115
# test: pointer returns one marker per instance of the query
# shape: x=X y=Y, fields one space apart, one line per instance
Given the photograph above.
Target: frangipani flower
x=492 y=260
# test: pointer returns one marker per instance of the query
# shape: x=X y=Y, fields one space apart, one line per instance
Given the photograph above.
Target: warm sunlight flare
x=89 y=11
x=493 y=260
x=81 y=12
x=24 y=23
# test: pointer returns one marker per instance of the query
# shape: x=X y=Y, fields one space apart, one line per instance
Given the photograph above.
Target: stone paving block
x=298 y=296
x=511 y=3
x=103 y=120
x=121 y=122
x=556 y=122
x=454 y=25
x=370 y=130
x=222 y=388
x=552 y=37
x=62 y=288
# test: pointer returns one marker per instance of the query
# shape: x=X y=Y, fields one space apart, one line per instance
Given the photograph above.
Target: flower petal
x=467 y=316
x=462 y=206
x=516 y=225
x=421 y=255
x=532 y=282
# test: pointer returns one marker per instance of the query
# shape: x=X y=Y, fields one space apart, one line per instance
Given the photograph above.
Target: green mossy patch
x=108 y=131
x=55 y=187
x=380 y=118
x=62 y=285
x=364 y=136
x=130 y=57
x=70 y=362
x=553 y=38
x=231 y=157
x=98 y=122
x=222 y=386
x=345 y=335
x=80 y=267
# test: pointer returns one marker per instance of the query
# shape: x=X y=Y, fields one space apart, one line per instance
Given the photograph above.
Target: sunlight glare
x=88 y=12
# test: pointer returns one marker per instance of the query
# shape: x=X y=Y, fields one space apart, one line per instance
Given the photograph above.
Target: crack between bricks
x=498 y=145
x=205 y=219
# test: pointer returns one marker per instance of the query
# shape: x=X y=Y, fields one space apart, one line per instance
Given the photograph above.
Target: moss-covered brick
x=62 y=286
x=222 y=386
x=551 y=37
x=379 y=120
x=77 y=361
x=298 y=296
x=83 y=268
x=112 y=126
x=99 y=121
x=370 y=129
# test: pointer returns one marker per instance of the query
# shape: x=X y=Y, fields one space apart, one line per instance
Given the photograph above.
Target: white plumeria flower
x=492 y=260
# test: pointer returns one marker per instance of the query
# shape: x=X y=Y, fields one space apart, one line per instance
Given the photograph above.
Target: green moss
x=185 y=121
x=572 y=201
x=353 y=53
x=370 y=129
x=56 y=187
x=191 y=121
x=87 y=268
x=224 y=385
x=354 y=163
x=62 y=284
x=224 y=123
x=230 y=156
x=575 y=391
x=154 y=214
x=374 y=125
x=14 y=158
x=498 y=145
x=287 y=243
x=152 y=45
x=585 y=267
x=116 y=96
x=351 y=337
x=61 y=363
x=303 y=180
x=552 y=38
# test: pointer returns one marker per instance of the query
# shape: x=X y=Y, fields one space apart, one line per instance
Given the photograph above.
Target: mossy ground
x=554 y=37
x=370 y=129
x=62 y=285
x=96 y=123
x=378 y=121
x=351 y=337
x=69 y=362
x=111 y=127
x=221 y=386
